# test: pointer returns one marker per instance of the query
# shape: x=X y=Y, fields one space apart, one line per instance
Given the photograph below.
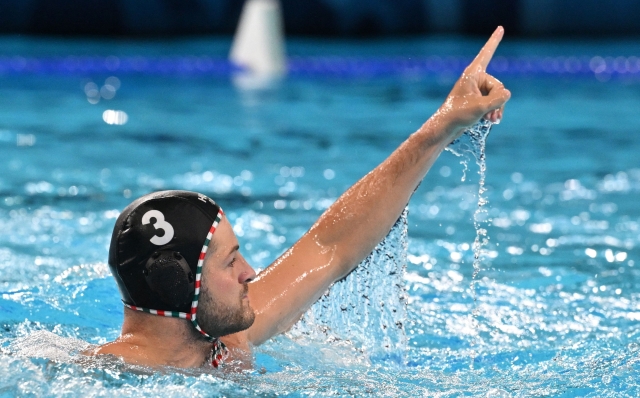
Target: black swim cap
x=157 y=251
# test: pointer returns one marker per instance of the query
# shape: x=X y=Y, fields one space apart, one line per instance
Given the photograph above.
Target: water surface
x=557 y=292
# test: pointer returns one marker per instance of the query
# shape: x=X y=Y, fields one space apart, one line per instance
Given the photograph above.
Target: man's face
x=224 y=306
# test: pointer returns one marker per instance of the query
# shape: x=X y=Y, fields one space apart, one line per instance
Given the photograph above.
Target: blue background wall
x=324 y=17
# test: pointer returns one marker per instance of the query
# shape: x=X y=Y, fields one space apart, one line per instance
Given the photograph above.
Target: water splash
x=367 y=309
x=44 y=344
x=473 y=142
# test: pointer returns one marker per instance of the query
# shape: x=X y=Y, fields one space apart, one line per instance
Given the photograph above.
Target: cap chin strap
x=196 y=293
x=220 y=351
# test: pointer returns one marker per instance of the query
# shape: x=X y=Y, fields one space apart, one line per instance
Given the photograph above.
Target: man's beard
x=219 y=320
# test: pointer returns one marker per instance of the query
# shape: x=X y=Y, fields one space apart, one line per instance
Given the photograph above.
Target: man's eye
x=232 y=261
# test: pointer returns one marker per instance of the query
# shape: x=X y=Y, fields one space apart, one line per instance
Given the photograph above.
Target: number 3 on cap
x=159 y=224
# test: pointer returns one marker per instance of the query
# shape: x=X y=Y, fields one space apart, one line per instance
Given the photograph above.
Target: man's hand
x=362 y=216
x=476 y=93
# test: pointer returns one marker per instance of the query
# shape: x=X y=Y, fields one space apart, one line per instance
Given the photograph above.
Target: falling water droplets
x=473 y=142
x=368 y=307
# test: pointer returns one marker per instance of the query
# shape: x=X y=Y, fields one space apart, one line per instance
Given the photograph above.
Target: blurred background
x=324 y=17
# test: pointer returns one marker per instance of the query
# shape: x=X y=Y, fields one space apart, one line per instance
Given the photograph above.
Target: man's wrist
x=440 y=129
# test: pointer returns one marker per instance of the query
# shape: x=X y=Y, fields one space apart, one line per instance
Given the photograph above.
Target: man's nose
x=247 y=274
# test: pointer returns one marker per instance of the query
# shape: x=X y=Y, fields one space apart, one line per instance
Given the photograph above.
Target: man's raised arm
x=347 y=232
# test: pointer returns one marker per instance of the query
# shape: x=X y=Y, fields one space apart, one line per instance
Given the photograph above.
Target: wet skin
x=224 y=307
x=335 y=244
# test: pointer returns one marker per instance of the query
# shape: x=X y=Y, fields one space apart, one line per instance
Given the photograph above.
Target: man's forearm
x=365 y=213
x=361 y=217
x=343 y=235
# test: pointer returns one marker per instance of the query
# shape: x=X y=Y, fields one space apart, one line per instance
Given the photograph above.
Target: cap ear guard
x=169 y=276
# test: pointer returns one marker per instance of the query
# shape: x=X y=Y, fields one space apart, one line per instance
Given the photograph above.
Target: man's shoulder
x=123 y=351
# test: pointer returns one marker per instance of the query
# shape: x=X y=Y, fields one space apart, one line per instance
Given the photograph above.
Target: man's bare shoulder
x=240 y=354
x=125 y=351
x=283 y=291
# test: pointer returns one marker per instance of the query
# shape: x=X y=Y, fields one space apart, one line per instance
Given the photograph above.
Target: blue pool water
x=558 y=293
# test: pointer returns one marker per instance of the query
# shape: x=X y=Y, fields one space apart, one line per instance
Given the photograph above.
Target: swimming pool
x=558 y=299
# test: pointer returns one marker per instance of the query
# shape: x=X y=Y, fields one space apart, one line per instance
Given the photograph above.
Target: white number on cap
x=159 y=224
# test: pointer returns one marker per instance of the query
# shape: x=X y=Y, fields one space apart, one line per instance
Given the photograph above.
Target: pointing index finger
x=484 y=56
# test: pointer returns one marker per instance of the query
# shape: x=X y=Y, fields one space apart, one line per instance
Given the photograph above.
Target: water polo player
x=191 y=298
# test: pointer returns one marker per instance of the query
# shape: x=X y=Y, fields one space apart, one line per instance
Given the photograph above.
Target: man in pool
x=190 y=297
